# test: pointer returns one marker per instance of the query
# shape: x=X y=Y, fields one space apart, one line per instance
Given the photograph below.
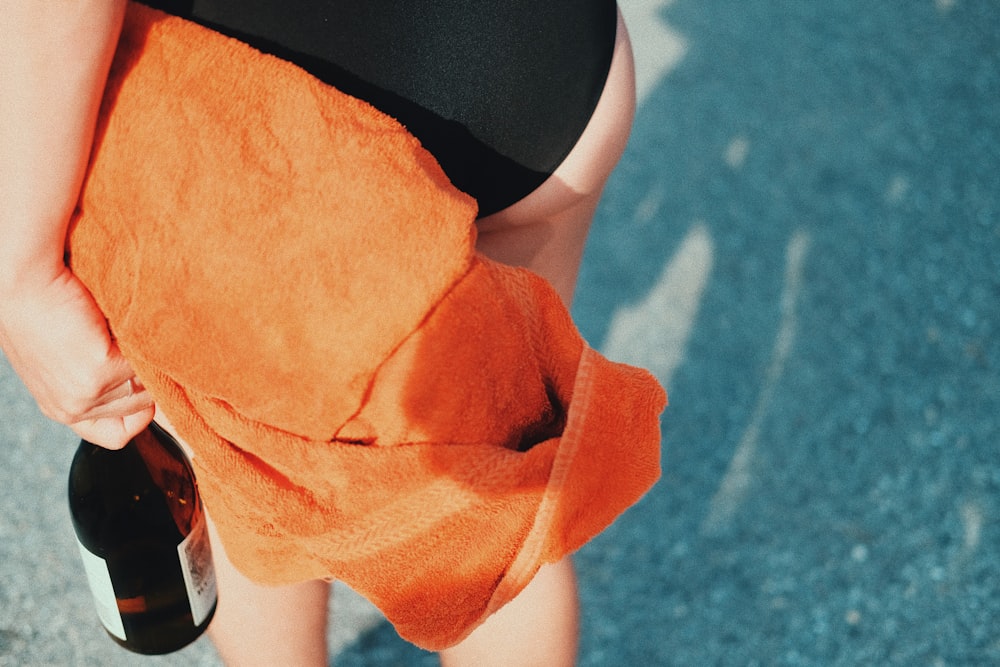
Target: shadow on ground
x=803 y=241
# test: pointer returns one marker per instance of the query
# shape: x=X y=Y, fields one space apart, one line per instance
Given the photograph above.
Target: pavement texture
x=803 y=242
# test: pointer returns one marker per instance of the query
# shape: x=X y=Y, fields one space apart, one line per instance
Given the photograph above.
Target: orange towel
x=294 y=279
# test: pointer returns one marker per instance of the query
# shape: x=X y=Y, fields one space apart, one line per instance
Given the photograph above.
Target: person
x=54 y=58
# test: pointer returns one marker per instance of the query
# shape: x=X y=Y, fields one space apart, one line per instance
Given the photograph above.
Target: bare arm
x=54 y=58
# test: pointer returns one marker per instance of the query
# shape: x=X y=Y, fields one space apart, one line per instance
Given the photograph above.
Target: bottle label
x=99 y=579
x=199 y=573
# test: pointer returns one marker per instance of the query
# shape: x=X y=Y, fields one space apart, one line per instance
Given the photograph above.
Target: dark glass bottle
x=141 y=530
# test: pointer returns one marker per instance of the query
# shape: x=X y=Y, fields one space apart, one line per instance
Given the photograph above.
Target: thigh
x=538 y=627
x=263 y=625
x=546 y=231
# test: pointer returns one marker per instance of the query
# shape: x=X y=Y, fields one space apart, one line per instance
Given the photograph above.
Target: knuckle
x=77 y=409
x=55 y=413
x=69 y=411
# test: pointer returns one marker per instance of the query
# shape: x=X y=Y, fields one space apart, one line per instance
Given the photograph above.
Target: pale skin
x=54 y=57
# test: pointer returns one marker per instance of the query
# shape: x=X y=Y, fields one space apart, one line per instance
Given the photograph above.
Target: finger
x=114 y=432
x=130 y=387
x=117 y=372
x=113 y=391
x=119 y=407
x=125 y=398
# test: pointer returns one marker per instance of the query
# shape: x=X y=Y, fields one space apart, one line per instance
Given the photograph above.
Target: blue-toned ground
x=803 y=242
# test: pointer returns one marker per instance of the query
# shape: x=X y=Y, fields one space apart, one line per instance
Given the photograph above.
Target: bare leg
x=538 y=628
x=259 y=625
x=546 y=232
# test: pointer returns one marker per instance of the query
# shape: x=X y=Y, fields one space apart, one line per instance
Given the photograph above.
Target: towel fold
x=295 y=281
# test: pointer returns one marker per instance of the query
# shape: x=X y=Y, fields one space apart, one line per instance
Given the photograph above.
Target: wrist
x=21 y=273
x=34 y=247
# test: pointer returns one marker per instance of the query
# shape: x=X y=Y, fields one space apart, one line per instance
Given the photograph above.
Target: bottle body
x=143 y=539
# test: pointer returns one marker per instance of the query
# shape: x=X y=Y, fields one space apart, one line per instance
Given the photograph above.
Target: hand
x=57 y=341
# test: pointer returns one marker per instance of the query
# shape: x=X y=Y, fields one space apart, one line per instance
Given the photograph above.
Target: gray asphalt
x=803 y=242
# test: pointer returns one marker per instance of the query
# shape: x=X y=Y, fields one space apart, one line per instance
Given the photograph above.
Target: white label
x=103 y=591
x=199 y=574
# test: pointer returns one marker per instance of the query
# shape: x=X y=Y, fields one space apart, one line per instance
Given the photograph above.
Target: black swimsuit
x=499 y=92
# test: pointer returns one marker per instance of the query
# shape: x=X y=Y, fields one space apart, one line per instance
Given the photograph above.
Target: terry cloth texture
x=295 y=280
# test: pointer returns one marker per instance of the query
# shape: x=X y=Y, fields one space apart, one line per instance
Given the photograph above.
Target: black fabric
x=499 y=92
